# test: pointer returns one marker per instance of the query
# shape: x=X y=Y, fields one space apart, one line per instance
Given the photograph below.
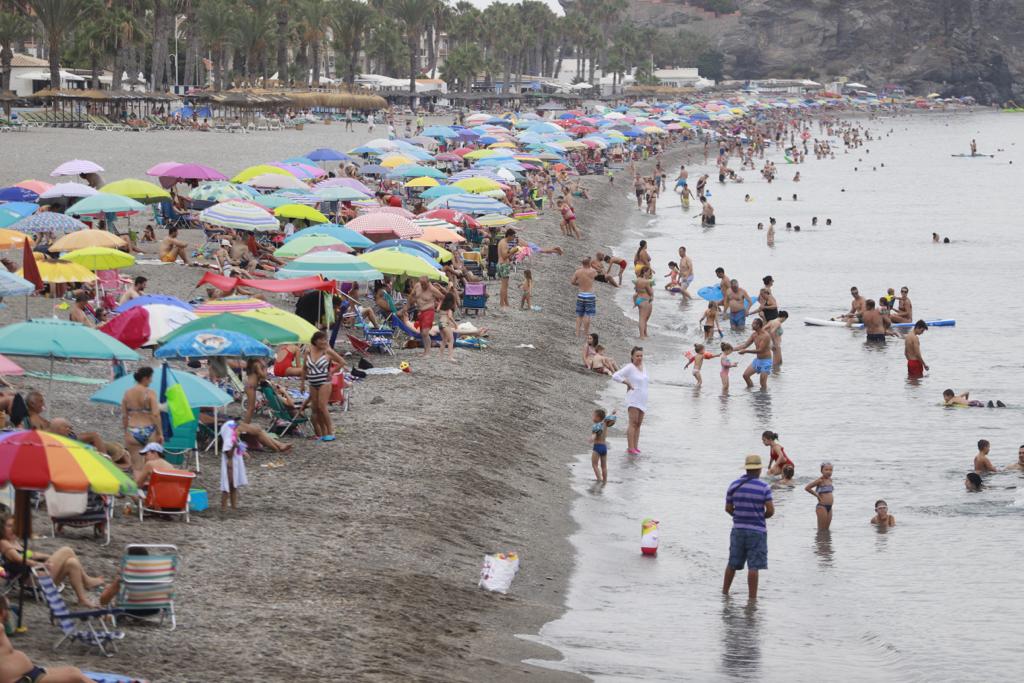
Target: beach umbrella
x=61 y=339
x=477 y=184
x=377 y=223
x=199 y=393
x=62 y=191
x=283 y=319
x=230 y=304
x=469 y=203
x=17 y=194
x=12 y=239
x=394 y=210
x=339 y=194
x=275 y=181
x=494 y=220
x=441 y=254
x=14 y=212
x=270 y=201
x=339 y=232
x=304 y=197
x=344 y=182
x=261 y=310
x=259 y=169
x=191 y=172
x=157 y=170
x=302 y=171
x=413 y=247
x=260 y=330
x=396 y=262
x=331 y=265
x=307 y=243
x=372 y=169
x=81 y=239
x=139 y=190
x=441 y=191
x=49 y=222
x=422 y=181
x=209 y=343
x=9 y=368
x=238 y=215
x=300 y=212
x=37 y=186
x=76 y=167
x=101 y=203
x=150 y=299
x=62 y=272
x=416 y=170
x=395 y=160
x=220 y=191
x=14 y=285
x=100 y=258
x=452 y=216
x=143 y=325
x=327 y=154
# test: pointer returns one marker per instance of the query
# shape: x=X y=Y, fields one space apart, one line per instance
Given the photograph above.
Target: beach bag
x=497 y=572
x=177 y=406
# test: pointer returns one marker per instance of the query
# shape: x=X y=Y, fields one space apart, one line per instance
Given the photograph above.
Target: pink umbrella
x=397 y=210
x=377 y=223
x=344 y=182
x=299 y=170
x=76 y=167
x=192 y=172
x=9 y=368
x=159 y=169
x=448 y=156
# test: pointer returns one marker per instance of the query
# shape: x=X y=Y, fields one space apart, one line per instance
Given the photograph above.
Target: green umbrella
x=270 y=201
x=100 y=203
x=52 y=338
x=252 y=327
x=302 y=245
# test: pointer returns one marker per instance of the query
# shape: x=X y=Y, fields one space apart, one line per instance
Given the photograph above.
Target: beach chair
x=147 y=582
x=90 y=628
x=170 y=218
x=80 y=510
x=182 y=441
x=279 y=413
x=474 y=298
x=379 y=338
x=167 y=493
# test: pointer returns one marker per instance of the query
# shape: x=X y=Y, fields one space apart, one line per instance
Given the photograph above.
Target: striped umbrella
x=396 y=210
x=51 y=222
x=470 y=203
x=385 y=224
x=76 y=167
x=33 y=460
x=221 y=191
x=344 y=182
x=231 y=304
x=298 y=197
x=338 y=194
x=239 y=216
x=332 y=265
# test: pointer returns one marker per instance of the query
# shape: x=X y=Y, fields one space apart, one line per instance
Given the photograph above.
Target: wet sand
x=358 y=560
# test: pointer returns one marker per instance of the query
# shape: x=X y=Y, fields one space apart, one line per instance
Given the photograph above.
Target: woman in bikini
x=140 y=415
x=821 y=488
x=641 y=259
x=317 y=374
x=643 y=298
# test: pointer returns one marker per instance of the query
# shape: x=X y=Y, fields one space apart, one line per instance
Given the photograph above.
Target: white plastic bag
x=497 y=572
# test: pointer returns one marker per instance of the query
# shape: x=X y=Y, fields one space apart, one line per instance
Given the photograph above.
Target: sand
x=358 y=560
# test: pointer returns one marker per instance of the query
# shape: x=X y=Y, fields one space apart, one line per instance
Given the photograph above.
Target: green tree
x=57 y=17
x=711 y=64
x=218 y=31
x=313 y=22
x=14 y=27
x=460 y=69
x=351 y=21
x=252 y=29
x=414 y=16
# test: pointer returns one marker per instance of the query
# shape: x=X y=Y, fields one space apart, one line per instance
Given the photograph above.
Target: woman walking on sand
x=643 y=299
x=634 y=376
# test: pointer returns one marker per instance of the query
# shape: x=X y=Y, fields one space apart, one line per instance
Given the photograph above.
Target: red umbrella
x=462 y=151
x=30 y=269
x=456 y=218
x=131 y=328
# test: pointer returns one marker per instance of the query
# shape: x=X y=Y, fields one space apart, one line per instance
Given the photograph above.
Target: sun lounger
x=147 y=582
x=279 y=413
x=167 y=493
x=85 y=627
x=80 y=510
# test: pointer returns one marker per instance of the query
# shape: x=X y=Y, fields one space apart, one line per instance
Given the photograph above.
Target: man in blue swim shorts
x=761 y=340
x=737 y=302
x=586 y=300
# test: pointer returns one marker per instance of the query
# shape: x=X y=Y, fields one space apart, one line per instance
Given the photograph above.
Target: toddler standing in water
x=710 y=321
x=726 y=365
x=527 y=288
x=697 y=360
x=599 y=456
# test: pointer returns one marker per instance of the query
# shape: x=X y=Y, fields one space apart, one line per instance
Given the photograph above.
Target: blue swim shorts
x=748 y=547
x=738 y=319
x=762 y=365
x=601 y=448
x=586 y=305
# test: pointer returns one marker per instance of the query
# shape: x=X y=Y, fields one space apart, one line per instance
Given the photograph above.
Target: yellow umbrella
x=437 y=234
x=422 y=181
x=80 y=239
x=394 y=262
x=443 y=255
x=494 y=220
x=477 y=184
x=12 y=239
x=283 y=319
x=498 y=145
x=62 y=272
x=139 y=190
x=100 y=258
x=300 y=212
x=260 y=169
x=480 y=154
x=396 y=160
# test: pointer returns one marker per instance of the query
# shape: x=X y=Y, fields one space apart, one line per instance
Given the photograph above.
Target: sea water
x=939 y=596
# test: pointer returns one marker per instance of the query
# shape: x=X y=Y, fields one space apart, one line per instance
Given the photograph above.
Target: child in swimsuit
x=697 y=358
x=726 y=365
x=673 y=285
x=710 y=320
x=599 y=454
x=821 y=488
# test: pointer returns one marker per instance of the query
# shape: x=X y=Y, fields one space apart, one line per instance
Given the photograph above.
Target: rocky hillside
x=954 y=47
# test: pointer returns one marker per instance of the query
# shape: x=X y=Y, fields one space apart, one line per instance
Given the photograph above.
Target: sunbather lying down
x=249 y=432
x=16 y=667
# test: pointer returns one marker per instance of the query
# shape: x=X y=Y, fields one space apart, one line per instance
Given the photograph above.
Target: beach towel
x=233 y=448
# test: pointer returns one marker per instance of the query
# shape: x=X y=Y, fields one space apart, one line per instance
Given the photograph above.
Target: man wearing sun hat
x=749 y=502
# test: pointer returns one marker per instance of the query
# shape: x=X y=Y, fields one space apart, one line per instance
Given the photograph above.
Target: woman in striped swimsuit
x=317 y=374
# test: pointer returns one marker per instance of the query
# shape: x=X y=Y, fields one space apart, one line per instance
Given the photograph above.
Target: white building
x=30 y=75
x=678 y=78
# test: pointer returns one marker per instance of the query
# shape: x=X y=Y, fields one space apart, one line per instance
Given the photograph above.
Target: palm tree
x=414 y=15
x=218 y=32
x=14 y=27
x=460 y=69
x=57 y=18
x=315 y=15
x=350 y=22
x=252 y=29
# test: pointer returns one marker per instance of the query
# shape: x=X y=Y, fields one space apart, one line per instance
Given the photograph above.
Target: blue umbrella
x=12 y=212
x=470 y=203
x=327 y=154
x=213 y=343
x=346 y=235
x=14 y=285
x=153 y=299
x=17 y=194
x=373 y=169
x=199 y=392
x=47 y=221
x=415 y=171
x=440 y=191
x=407 y=246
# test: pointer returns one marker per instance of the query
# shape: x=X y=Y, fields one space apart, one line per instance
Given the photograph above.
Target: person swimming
x=952 y=399
x=973 y=482
x=882 y=517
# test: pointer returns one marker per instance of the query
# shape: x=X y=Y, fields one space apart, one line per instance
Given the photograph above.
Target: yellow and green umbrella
x=394 y=262
x=306 y=243
x=63 y=272
x=422 y=181
x=100 y=258
x=300 y=212
x=139 y=190
x=477 y=184
x=259 y=169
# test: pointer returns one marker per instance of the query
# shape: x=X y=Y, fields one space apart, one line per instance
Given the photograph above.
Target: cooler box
x=198 y=500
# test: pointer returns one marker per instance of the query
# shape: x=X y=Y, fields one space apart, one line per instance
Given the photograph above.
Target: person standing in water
x=982 y=463
x=874 y=325
x=912 y=350
x=685 y=272
x=737 y=303
x=821 y=488
x=762 y=365
x=643 y=298
x=634 y=376
x=748 y=500
x=774 y=330
x=974 y=148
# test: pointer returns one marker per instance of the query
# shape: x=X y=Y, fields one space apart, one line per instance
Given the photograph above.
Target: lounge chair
x=280 y=413
x=147 y=582
x=379 y=338
x=167 y=493
x=474 y=298
x=80 y=510
x=182 y=441
x=91 y=630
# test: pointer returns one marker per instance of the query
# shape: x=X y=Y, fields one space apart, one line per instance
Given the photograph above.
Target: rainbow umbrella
x=230 y=304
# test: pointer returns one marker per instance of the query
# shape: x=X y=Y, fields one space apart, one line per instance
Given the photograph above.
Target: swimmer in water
x=787 y=477
x=821 y=488
x=973 y=482
x=935 y=238
x=982 y=464
x=747 y=198
x=1019 y=465
x=951 y=398
x=882 y=517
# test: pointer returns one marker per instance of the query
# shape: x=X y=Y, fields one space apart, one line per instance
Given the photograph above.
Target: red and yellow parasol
x=33 y=460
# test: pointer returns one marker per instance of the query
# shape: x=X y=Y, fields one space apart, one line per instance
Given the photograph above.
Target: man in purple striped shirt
x=749 y=502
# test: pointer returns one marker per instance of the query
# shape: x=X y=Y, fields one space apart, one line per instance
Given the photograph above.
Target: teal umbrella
x=441 y=191
x=102 y=203
x=199 y=392
x=415 y=171
x=12 y=212
x=255 y=328
x=61 y=339
x=271 y=201
x=330 y=264
x=346 y=235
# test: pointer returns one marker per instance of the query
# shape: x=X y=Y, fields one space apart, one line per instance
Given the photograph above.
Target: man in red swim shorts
x=912 y=350
x=426 y=297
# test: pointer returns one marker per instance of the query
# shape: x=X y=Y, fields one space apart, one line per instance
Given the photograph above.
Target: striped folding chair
x=147 y=582
x=85 y=627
